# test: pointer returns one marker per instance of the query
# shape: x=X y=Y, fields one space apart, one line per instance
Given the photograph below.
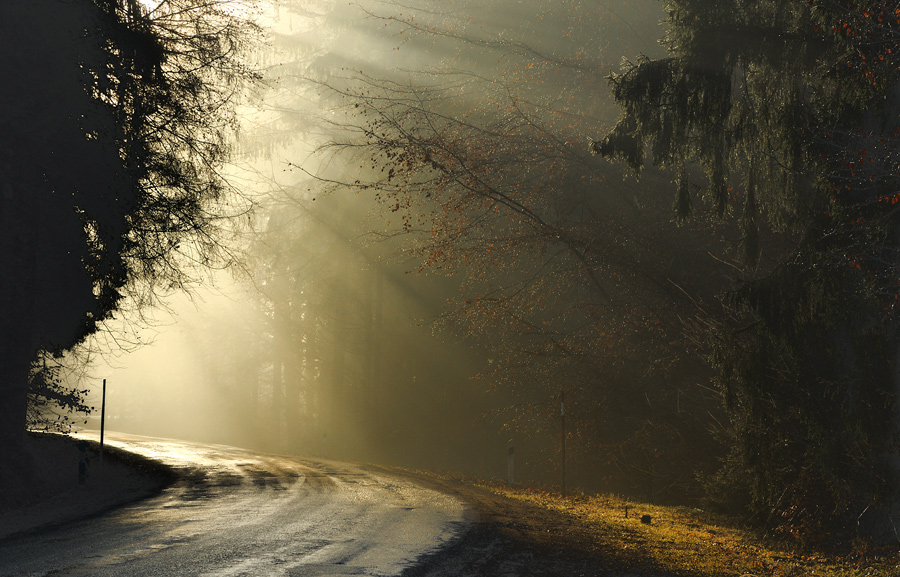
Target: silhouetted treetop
x=117 y=121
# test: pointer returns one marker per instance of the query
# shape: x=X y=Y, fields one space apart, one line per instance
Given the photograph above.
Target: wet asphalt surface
x=235 y=513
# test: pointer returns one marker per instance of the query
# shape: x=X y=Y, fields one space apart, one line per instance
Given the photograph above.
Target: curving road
x=239 y=513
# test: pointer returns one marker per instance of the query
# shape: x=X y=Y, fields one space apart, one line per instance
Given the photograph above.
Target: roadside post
x=510 y=464
x=562 y=416
x=102 y=420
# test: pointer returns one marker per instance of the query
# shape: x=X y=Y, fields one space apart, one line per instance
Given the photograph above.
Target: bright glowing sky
x=150 y=4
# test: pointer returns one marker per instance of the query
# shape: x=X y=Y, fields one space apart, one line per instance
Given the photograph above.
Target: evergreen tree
x=780 y=107
x=115 y=121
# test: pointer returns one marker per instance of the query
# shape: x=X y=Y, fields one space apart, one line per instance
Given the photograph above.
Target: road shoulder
x=70 y=482
x=510 y=537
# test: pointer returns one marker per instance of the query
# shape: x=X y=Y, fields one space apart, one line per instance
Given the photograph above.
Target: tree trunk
x=17 y=335
x=17 y=468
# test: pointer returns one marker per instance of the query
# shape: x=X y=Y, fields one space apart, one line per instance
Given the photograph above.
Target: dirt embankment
x=66 y=480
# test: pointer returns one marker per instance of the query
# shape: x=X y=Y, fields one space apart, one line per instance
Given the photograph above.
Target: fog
x=328 y=336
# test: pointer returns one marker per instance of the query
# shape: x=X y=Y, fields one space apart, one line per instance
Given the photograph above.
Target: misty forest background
x=408 y=228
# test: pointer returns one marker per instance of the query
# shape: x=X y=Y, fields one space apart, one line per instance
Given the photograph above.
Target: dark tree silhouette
x=114 y=124
x=789 y=109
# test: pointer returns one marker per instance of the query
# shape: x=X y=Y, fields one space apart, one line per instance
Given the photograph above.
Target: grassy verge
x=690 y=542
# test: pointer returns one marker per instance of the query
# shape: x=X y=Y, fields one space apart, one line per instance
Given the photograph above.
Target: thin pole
x=510 y=464
x=562 y=414
x=102 y=419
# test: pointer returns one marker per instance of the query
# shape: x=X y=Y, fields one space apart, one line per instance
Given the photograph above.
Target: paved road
x=238 y=513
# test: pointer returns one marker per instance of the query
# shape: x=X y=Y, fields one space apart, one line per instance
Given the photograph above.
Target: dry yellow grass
x=690 y=542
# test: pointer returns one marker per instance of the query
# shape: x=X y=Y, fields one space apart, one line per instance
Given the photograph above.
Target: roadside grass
x=690 y=542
